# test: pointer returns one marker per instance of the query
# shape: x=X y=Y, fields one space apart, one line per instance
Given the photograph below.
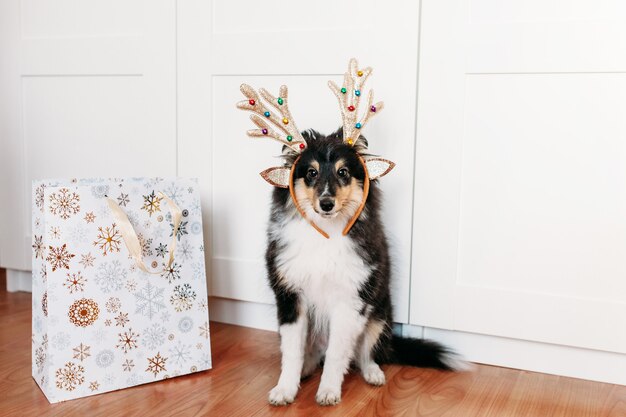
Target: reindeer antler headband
x=281 y=127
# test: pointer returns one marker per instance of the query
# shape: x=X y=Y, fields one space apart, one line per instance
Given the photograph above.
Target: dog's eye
x=343 y=172
x=311 y=173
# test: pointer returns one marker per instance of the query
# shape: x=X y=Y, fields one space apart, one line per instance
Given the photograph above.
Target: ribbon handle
x=130 y=236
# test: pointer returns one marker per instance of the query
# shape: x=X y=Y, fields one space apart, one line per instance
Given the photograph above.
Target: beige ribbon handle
x=130 y=236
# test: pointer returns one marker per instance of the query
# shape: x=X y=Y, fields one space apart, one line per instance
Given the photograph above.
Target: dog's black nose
x=327 y=204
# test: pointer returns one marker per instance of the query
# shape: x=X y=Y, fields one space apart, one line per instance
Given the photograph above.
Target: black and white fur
x=332 y=295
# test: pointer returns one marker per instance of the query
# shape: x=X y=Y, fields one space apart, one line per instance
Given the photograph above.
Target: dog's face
x=328 y=179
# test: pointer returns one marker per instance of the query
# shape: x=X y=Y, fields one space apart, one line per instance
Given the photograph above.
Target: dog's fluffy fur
x=332 y=294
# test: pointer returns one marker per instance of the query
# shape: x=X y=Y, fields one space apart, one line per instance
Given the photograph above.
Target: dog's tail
x=423 y=353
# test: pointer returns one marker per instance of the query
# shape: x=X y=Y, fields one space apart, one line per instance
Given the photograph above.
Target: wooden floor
x=246 y=366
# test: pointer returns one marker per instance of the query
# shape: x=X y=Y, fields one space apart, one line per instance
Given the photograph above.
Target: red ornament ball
x=302 y=146
x=252 y=102
x=351 y=108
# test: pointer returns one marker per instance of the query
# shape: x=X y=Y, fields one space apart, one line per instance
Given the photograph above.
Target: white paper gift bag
x=119 y=288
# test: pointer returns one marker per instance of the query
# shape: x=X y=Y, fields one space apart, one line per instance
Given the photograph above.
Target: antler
x=349 y=97
x=290 y=135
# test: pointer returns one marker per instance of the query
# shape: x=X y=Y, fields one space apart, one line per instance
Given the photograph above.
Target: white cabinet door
x=520 y=193
x=303 y=45
x=88 y=89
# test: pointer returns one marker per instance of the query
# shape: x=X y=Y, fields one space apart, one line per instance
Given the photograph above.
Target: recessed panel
x=95 y=126
x=79 y=18
x=543 y=193
x=498 y=11
x=282 y=16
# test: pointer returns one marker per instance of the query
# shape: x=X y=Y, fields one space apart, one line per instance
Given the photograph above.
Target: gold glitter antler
x=349 y=96
x=289 y=134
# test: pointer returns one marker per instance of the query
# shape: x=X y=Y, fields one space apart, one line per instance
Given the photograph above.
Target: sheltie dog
x=332 y=295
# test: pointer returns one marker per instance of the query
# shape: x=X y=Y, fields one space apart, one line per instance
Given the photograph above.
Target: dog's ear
x=378 y=167
x=277 y=176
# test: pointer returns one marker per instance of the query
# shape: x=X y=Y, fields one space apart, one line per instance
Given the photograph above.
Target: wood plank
x=246 y=366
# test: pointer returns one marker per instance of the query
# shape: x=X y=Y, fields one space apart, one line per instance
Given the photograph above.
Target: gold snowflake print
x=38 y=247
x=81 y=352
x=204 y=330
x=55 y=233
x=86 y=260
x=151 y=203
x=70 y=376
x=83 y=312
x=127 y=340
x=90 y=217
x=64 y=204
x=121 y=319
x=128 y=365
x=59 y=257
x=39 y=197
x=108 y=239
x=108 y=322
x=75 y=282
x=156 y=364
x=94 y=386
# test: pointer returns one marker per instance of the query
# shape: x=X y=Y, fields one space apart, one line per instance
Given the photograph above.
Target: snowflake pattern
x=172 y=309
x=105 y=358
x=113 y=304
x=154 y=336
x=185 y=324
x=70 y=376
x=108 y=239
x=110 y=276
x=204 y=330
x=83 y=312
x=156 y=364
x=81 y=352
x=39 y=197
x=59 y=257
x=121 y=319
x=128 y=365
x=172 y=272
x=127 y=340
x=86 y=260
x=161 y=250
x=123 y=199
x=151 y=203
x=75 y=282
x=184 y=251
x=149 y=300
x=64 y=204
x=40 y=359
x=145 y=245
x=182 y=230
x=183 y=297
x=55 y=233
x=180 y=353
x=38 y=247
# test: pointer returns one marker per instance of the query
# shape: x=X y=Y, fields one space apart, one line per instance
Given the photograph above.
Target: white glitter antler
x=349 y=96
x=288 y=133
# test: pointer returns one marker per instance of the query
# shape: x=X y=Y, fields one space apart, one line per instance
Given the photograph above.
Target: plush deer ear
x=378 y=167
x=277 y=176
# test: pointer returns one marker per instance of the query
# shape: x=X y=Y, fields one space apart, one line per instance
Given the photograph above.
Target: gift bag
x=119 y=288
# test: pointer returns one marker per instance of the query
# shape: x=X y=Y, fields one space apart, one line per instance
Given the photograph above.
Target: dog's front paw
x=328 y=396
x=282 y=395
x=374 y=375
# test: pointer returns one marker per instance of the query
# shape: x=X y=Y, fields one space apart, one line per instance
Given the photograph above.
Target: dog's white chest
x=324 y=271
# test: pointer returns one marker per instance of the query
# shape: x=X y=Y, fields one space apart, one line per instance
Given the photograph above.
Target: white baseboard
x=19 y=281
x=560 y=360
x=490 y=350
x=243 y=313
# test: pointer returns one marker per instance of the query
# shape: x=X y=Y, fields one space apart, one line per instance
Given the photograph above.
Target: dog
x=332 y=295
